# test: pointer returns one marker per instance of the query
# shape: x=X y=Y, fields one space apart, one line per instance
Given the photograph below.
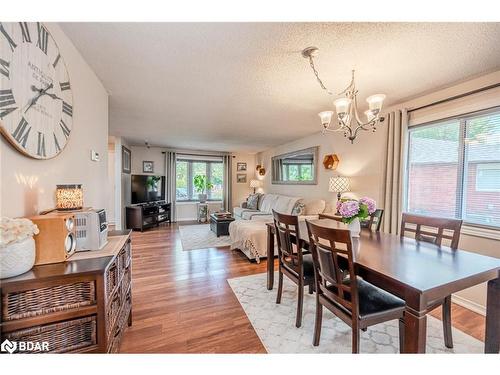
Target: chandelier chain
x=311 y=62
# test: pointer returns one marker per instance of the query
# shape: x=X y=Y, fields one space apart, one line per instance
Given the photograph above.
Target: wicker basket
x=62 y=337
x=112 y=312
x=112 y=277
x=28 y=303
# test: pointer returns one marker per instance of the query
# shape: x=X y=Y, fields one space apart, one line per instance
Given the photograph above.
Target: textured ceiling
x=245 y=86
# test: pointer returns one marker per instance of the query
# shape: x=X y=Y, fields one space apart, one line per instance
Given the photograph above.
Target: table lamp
x=339 y=185
x=69 y=197
x=254 y=184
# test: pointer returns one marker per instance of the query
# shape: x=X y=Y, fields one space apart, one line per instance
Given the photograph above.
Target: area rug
x=275 y=324
x=201 y=237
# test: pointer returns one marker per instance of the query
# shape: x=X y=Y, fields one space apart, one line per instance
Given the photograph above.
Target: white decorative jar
x=355 y=227
x=17 y=258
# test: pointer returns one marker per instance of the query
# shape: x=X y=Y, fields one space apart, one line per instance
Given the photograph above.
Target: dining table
x=417 y=272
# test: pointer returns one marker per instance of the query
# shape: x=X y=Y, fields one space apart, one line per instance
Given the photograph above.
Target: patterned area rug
x=201 y=237
x=279 y=334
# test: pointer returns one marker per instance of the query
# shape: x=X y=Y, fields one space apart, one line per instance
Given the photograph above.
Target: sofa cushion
x=285 y=204
x=268 y=203
x=314 y=207
x=250 y=214
x=238 y=211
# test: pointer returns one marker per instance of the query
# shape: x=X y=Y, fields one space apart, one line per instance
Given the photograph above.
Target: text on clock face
x=36 y=99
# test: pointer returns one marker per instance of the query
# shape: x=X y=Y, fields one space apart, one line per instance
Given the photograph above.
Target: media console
x=148 y=215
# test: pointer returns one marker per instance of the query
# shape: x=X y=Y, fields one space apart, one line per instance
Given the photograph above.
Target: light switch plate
x=94 y=156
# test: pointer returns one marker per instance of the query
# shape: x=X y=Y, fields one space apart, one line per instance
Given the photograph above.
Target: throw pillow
x=299 y=208
x=253 y=201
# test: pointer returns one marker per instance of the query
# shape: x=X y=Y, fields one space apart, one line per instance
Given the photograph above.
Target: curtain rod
x=495 y=85
x=195 y=154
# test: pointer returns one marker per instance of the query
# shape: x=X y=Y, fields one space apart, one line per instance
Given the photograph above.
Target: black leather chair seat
x=373 y=300
x=307 y=262
x=308 y=265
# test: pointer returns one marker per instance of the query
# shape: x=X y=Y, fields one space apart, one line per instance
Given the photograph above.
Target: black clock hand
x=40 y=93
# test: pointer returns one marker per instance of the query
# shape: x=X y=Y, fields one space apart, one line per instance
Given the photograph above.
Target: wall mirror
x=296 y=168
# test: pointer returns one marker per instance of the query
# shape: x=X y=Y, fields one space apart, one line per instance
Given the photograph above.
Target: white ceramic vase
x=17 y=258
x=355 y=227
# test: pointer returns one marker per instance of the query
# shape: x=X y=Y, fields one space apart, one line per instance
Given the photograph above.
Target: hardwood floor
x=182 y=302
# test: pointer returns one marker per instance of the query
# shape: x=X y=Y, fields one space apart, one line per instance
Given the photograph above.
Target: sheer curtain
x=397 y=124
x=170 y=177
x=227 y=161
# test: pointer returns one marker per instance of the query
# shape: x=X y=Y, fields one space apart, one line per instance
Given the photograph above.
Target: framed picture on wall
x=126 y=160
x=241 y=167
x=148 y=166
x=241 y=178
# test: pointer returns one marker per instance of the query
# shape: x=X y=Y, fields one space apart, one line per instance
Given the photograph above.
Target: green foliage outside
x=201 y=184
x=486 y=125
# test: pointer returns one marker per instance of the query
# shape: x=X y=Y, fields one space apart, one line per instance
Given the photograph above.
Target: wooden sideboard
x=81 y=305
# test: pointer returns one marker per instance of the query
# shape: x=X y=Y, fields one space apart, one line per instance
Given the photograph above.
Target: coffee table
x=220 y=225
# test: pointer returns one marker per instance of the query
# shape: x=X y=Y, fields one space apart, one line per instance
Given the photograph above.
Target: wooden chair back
x=288 y=233
x=374 y=221
x=332 y=263
x=419 y=225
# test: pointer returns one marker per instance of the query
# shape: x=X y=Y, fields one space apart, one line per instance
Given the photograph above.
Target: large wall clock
x=36 y=101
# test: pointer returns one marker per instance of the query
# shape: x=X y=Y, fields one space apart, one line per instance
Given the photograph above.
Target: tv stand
x=148 y=215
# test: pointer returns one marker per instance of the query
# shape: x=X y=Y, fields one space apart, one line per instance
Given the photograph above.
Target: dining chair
x=434 y=230
x=354 y=300
x=374 y=221
x=297 y=266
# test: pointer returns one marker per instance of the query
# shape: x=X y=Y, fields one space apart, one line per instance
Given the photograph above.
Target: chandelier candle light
x=348 y=119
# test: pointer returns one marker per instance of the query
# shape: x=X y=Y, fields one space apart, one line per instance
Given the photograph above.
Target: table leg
x=415 y=332
x=270 y=258
x=492 y=336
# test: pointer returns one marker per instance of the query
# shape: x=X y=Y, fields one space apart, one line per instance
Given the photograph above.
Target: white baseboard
x=187 y=219
x=468 y=304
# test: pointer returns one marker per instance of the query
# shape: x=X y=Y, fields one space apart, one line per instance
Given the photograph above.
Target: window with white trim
x=187 y=170
x=454 y=169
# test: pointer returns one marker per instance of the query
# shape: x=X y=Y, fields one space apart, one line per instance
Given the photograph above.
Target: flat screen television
x=147 y=189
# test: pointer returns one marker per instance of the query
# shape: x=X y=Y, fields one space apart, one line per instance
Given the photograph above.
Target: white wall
x=28 y=185
x=111 y=191
x=241 y=190
x=364 y=163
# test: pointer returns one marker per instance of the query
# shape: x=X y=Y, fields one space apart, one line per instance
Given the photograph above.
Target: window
x=297 y=169
x=454 y=169
x=488 y=177
x=187 y=170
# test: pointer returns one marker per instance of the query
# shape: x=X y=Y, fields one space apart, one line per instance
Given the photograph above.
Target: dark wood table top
x=419 y=265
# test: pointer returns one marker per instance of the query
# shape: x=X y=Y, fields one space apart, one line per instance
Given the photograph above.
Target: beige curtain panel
x=397 y=131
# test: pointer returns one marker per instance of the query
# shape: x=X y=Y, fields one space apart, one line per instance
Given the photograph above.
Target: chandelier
x=348 y=119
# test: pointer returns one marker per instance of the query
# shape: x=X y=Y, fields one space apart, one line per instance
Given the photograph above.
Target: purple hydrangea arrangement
x=351 y=209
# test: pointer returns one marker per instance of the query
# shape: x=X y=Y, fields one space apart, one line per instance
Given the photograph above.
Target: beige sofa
x=266 y=204
x=248 y=232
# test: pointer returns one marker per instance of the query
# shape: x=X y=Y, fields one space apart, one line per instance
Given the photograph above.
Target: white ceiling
x=245 y=86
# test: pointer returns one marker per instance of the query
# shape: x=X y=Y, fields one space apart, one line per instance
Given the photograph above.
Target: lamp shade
x=326 y=118
x=342 y=106
x=254 y=183
x=69 y=197
x=375 y=102
x=339 y=184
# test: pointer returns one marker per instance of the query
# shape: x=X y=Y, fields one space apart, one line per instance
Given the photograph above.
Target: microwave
x=91 y=229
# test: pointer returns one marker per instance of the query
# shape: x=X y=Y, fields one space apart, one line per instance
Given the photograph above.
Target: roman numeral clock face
x=36 y=102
